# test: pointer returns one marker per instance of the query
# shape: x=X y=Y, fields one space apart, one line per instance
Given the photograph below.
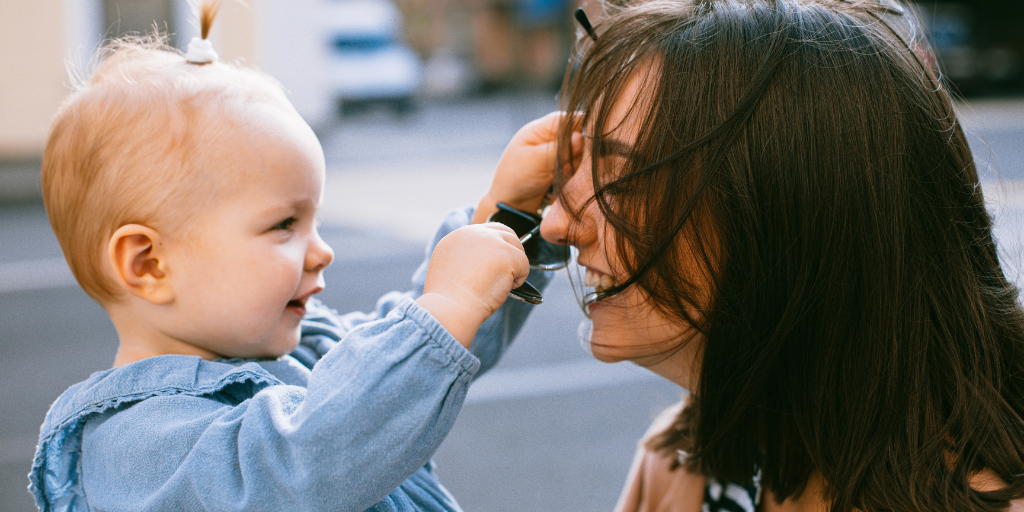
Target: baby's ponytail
x=200 y=51
x=207 y=12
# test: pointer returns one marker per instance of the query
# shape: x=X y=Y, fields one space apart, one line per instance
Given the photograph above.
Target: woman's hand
x=471 y=272
x=527 y=167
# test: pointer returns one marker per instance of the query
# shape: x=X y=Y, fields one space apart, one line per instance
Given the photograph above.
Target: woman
x=778 y=211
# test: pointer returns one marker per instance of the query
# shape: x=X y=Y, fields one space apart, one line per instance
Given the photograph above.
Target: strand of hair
x=207 y=13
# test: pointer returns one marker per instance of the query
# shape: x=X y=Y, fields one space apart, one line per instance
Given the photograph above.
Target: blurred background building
x=41 y=39
x=336 y=54
x=325 y=52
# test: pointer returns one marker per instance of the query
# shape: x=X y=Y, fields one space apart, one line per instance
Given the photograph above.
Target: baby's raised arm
x=473 y=268
x=470 y=275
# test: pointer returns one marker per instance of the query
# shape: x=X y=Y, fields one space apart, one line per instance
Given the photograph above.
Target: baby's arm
x=323 y=327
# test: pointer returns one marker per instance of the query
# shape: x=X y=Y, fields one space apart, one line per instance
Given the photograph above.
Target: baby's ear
x=139 y=261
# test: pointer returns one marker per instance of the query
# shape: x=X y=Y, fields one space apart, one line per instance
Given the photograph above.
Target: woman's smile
x=599 y=281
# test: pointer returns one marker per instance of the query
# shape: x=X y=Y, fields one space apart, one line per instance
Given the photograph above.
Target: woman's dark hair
x=805 y=159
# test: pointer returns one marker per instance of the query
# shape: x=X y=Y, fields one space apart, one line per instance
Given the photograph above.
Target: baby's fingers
x=506 y=233
x=520 y=263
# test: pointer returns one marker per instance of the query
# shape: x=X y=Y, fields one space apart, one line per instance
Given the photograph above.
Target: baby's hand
x=527 y=166
x=471 y=272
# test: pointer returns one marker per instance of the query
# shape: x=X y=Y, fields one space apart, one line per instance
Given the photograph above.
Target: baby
x=184 y=194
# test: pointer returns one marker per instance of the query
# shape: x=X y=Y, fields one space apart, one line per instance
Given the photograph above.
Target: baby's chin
x=286 y=347
x=272 y=349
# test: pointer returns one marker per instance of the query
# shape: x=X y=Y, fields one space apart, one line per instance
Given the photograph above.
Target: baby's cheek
x=286 y=268
x=294 y=252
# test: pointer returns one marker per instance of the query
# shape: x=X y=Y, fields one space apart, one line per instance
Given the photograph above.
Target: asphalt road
x=548 y=429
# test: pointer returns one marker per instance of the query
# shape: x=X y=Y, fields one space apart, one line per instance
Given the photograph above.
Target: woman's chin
x=606 y=356
x=604 y=351
x=594 y=340
x=588 y=342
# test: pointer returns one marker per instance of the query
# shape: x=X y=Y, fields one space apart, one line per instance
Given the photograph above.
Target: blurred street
x=548 y=429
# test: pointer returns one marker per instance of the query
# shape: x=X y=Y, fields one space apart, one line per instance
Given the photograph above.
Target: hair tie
x=200 y=51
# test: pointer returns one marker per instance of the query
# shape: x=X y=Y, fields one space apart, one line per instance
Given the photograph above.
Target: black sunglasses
x=542 y=254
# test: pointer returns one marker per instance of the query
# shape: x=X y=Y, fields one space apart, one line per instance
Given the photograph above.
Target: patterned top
x=731 y=497
x=653 y=485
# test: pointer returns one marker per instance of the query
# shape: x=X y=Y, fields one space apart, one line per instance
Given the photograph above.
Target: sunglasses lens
x=545 y=255
x=520 y=222
x=542 y=254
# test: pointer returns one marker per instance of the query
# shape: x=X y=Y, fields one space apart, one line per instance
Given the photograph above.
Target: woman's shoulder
x=987 y=480
x=652 y=484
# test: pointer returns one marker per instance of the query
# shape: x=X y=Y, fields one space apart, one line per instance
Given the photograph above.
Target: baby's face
x=243 y=272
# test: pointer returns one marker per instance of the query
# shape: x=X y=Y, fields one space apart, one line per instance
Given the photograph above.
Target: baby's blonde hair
x=128 y=146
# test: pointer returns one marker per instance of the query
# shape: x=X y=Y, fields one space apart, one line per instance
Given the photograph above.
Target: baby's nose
x=319 y=255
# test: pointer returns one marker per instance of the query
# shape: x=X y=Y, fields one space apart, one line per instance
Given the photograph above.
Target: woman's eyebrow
x=610 y=146
x=616 y=147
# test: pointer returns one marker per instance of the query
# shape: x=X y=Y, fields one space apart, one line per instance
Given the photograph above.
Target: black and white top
x=731 y=497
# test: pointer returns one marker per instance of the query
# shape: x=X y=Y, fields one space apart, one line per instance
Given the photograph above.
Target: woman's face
x=625 y=326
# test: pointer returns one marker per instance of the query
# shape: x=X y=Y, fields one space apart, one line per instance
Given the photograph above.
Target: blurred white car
x=368 y=62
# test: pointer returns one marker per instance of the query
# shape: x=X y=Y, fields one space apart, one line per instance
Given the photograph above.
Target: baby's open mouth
x=295 y=303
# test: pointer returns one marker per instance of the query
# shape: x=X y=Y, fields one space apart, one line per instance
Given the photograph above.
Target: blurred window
x=123 y=17
x=362 y=42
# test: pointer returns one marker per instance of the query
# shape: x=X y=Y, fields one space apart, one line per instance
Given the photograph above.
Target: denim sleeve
x=322 y=327
x=376 y=408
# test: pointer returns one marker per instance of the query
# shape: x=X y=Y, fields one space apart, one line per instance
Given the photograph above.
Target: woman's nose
x=555 y=225
x=319 y=255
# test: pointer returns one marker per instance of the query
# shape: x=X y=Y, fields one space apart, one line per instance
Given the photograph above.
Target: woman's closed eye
x=614 y=152
x=606 y=148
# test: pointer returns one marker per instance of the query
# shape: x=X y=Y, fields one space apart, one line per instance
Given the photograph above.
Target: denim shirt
x=348 y=421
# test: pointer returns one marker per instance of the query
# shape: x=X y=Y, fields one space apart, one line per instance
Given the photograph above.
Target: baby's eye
x=286 y=224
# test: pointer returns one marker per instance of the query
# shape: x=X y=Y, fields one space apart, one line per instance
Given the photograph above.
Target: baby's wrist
x=460 y=320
